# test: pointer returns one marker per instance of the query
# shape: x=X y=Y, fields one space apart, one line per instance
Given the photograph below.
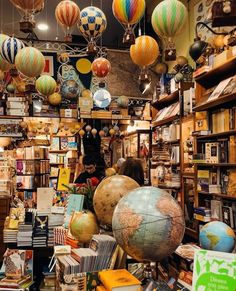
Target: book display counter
x=117 y=152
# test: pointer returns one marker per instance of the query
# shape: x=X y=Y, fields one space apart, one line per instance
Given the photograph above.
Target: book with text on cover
x=63 y=179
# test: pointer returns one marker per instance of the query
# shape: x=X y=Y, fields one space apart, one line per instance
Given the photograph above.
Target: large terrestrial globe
x=108 y=194
x=148 y=224
x=70 y=89
x=217 y=236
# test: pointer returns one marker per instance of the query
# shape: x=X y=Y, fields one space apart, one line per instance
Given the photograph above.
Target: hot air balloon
x=9 y=49
x=68 y=15
x=101 y=67
x=169 y=18
x=46 y=85
x=27 y=9
x=93 y=22
x=30 y=62
x=128 y=13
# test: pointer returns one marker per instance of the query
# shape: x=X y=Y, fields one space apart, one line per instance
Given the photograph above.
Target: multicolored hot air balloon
x=169 y=18
x=10 y=48
x=68 y=15
x=93 y=22
x=4 y=66
x=101 y=67
x=30 y=62
x=46 y=85
x=145 y=51
x=128 y=13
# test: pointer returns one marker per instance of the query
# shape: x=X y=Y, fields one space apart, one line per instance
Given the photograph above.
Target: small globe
x=148 y=224
x=83 y=226
x=55 y=99
x=123 y=101
x=70 y=89
x=108 y=194
x=217 y=236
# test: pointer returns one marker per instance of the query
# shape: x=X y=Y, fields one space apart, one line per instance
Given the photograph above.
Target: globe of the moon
x=148 y=224
x=108 y=194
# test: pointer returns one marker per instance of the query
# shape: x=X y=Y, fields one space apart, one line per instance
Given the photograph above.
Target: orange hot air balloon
x=101 y=67
x=145 y=51
x=68 y=15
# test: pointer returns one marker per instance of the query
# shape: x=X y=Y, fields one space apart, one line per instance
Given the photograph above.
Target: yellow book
x=63 y=179
x=119 y=280
x=101 y=288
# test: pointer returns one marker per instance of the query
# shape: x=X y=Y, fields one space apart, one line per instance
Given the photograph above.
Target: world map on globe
x=217 y=236
x=148 y=224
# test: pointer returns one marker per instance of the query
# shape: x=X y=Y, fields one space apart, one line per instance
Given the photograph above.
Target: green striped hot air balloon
x=169 y=18
x=30 y=62
x=46 y=85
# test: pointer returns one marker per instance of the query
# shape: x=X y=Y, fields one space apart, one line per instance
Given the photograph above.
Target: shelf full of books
x=214 y=156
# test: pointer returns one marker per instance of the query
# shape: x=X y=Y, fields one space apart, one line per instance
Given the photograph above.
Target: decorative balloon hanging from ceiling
x=93 y=23
x=46 y=85
x=101 y=68
x=128 y=13
x=30 y=62
x=144 y=53
x=4 y=65
x=68 y=15
x=168 y=20
x=27 y=10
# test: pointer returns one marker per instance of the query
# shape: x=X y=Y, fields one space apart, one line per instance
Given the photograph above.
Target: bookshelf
x=173 y=97
x=215 y=186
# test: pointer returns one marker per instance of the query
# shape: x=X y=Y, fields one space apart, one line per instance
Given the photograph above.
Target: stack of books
x=24 y=236
x=54 y=221
x=167 y=112
x=10 y=235
x=202 y=214
x=18 y=106
x=40 y=233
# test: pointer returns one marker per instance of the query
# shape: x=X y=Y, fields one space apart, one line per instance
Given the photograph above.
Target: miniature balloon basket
x=129 y=37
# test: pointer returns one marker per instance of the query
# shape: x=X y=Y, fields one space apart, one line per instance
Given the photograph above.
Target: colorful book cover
x=214 y=271
x=55 y=144
x=63 y=179
x=64 y=143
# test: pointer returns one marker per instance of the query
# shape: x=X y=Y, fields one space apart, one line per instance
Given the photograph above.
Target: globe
x=108 y=194
x=148 y=224
x=83 y=226
x=70 y=89
x=217 y=236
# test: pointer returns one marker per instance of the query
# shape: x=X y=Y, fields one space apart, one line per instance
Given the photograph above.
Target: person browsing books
x=90 y=171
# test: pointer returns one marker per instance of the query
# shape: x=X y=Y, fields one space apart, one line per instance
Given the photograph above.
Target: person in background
x=133 y=168
x=90 y=171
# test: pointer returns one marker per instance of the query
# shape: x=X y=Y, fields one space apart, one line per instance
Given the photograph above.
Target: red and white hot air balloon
x=68 y=16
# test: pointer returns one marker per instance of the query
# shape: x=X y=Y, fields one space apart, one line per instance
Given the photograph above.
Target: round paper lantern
x=128 y=13
x=30 y=62
x=46 y=85
x=102 y=98
x=145 y=51
x=93 y=22
x=81 y=133
x=101 y=67
x=10 y=48
x=55 y=99
x=68 y=15
x=169 y=18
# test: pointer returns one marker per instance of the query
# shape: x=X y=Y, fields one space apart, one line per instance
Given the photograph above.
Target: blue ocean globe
x=217 y=236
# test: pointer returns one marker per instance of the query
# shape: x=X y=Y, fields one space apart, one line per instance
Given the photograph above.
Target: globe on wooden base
x=148 y=224
x=108 y=194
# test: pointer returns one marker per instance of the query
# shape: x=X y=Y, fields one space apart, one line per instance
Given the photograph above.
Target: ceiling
x=112 y=37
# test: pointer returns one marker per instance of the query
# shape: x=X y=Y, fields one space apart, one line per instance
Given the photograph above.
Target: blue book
x=75 y=203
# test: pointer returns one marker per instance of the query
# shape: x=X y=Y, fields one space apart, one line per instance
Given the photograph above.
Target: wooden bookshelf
x=224 y=196
x=216 y=75
x=191 y=232
x=215 y=165
x=176 y=141
x=217 y=103
x=216 y=135
x=165 y=121
x=159 y=104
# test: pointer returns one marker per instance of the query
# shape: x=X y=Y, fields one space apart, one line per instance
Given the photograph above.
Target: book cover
x=64 y=143
x=55 y=144
x=214 y=271
x=14 y=261
x=219 y=89
x=112 y=279
x=227 y=214
x=75 y=202
x=44 y=199
x=201 y=121
x=63 y=179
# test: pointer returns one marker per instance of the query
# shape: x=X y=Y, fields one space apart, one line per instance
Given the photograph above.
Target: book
x=212 y=152
x=219 y=89
x=203 y=177
x=118 y=280
x=63 y=179
x=202 y=70
x=227 y=214
x=75 y=202
x=55 y=144
x=216 y=209
x=44 y=199
x=202 y=217
x=201 y=121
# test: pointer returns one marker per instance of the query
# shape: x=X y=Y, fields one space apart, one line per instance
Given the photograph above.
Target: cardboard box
x=221 y=58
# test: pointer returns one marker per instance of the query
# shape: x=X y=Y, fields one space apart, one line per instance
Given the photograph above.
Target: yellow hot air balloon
x=30 y=62
x=145 y=51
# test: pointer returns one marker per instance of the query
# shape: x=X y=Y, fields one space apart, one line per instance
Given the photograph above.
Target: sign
x=214 y=271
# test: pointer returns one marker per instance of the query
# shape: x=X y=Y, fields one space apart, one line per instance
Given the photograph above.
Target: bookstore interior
x=118 y=145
